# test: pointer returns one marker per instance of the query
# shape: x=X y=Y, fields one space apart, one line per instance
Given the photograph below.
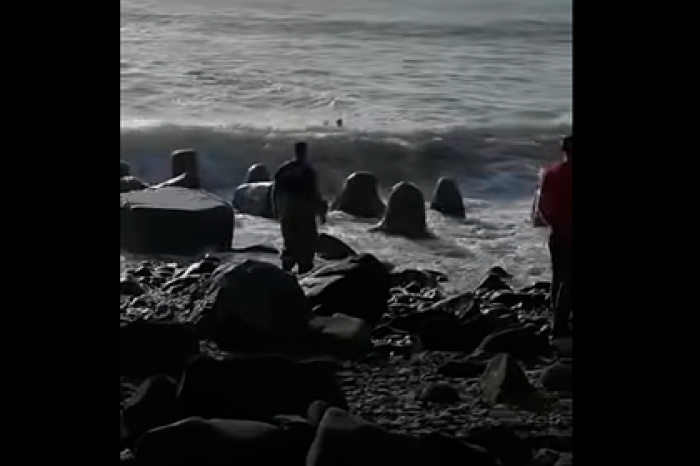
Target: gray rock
x=343 y=336
x=254 y=199
x=440 y=393
x=405 y=214
x=447 y=198
x=558 y=377
x=177 y=221
x=257 y=173
x=360 y=197
x=504 y=381
x=357 y=286
x=331 y=248
x=215 y=442
x=258 y=306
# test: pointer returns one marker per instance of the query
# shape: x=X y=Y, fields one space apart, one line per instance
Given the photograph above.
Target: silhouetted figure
x=296 y=203
x=553 y=209
x=339 y=122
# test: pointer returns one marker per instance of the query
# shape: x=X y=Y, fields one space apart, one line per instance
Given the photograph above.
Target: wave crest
x=486 y=162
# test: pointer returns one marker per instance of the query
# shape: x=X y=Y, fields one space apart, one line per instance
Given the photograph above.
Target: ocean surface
x=480 y=90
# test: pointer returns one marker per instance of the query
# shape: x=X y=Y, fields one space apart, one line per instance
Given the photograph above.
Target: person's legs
x=307 y=241
x=300 y=235
x=562 y=296
x=287 y=256
x=556 y=282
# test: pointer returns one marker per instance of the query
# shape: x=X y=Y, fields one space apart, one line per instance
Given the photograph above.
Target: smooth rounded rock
x=257 y=173
x=209 y=442
x=447 y=198
x=360 y=196
x=405 y=214
x=254 y=199
x=558 y=377
x=257 y=306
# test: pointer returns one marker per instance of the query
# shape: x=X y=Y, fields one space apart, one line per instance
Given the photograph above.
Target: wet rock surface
x=422 y=378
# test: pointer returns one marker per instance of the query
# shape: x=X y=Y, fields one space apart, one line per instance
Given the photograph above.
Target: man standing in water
x=553 y=209
x=296 y=202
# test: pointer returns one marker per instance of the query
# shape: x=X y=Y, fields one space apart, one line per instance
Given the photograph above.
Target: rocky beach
x=227 y=359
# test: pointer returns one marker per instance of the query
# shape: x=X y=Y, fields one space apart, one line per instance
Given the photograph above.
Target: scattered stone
x=546 y=457
x=153 y=405
x=558 y=377
x=360 y=197
x=400 y=388
x=503 y=443
x=208 y=442
x=174 y=221
x=418 y=278
x=505 y=382
x=357 y=286
x=130 y=287
x=257 y=306
x=256 y=387
x=440 y=393
x=331 y=248
x=343 y=336
x=344 y=440
x=205 y=266
x=447 y=198
x=405 y=214
x=500 y=272
x=492 y=283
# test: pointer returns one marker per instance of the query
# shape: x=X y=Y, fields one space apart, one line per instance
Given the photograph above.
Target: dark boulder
x=152 y=405
x=150 y=348
x=558 y=377
x=255 y=306
x=217 y=442
x=447 y=198
x=177 y=221
x=504 y=381
x=256 y=387
x=360 y=197
x=257 y=173
x=440 y=392
x=331 y=248
x=405 y=213
x=357 y=286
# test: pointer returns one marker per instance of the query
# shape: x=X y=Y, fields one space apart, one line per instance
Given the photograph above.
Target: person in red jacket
x=553 y=209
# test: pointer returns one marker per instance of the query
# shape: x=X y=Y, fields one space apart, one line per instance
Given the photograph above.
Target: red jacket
x=555 y=202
